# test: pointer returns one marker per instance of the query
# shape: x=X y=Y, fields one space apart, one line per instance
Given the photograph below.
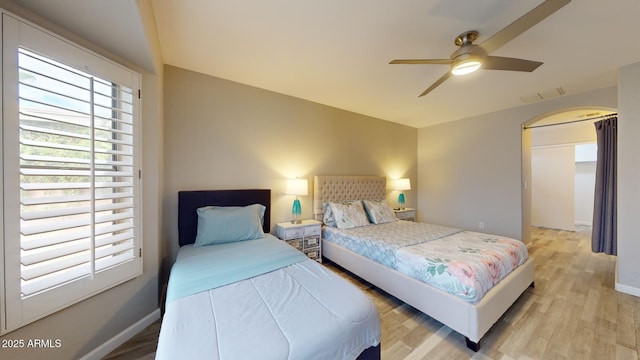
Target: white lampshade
x=402 y=184
x=297 y=187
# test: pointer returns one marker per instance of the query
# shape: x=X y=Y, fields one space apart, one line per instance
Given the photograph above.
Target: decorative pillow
x=328 y=218
x=379 y=211
x=219 y=224
x=349 y=214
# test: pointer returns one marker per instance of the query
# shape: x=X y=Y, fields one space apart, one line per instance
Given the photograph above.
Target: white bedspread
x=302 y=311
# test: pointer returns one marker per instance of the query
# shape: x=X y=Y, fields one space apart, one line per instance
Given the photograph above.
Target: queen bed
x=400 y=257
x=237 y=292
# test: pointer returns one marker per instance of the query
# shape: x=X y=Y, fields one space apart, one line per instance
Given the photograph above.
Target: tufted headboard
x=344 y=187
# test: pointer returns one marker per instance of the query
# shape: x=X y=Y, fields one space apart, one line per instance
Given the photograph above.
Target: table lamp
x=297 y=187
x=401 y=185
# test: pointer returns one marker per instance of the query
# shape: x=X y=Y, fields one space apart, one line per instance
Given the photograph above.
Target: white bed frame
x=470 y=320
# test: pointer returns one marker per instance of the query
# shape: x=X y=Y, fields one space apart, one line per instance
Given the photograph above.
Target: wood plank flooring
x=572 y=313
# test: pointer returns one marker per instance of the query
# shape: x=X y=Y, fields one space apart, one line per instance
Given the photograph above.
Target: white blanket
x=302 y=311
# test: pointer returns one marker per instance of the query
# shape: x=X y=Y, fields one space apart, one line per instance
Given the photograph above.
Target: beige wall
x=468 y=173
x=470 y=170
x=225 y=135
x=628 y=279
x=89 y=324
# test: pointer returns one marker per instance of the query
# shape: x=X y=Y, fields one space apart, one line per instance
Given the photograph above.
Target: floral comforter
x=466 y=264
x=463 y=263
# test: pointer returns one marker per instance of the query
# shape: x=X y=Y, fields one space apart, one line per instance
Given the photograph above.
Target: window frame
x=15 y=311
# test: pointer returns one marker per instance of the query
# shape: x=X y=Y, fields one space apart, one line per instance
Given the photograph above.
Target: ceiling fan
x=470 y=57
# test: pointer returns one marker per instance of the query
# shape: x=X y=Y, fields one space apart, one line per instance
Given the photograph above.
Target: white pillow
x=379 y=211
x=349 y=214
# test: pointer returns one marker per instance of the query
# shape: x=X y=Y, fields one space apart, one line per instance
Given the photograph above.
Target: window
x=71 y=175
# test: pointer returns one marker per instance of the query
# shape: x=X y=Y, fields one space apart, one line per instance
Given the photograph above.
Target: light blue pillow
x=219 y=224
x=260 y=207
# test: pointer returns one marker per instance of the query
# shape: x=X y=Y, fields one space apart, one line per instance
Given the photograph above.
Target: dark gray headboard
x=189 y=201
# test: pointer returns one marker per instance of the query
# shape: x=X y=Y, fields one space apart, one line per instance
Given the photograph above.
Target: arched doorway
x=557 y=135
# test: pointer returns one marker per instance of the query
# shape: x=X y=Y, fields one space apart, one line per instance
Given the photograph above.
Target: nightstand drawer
x=312 y=230
x=293 y=233
x=313 y=254
x=310 y=242
x=404 y=215
x=296 y=243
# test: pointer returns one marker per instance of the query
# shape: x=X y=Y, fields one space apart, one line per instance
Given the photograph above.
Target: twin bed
x=249 y=295
x=256 y=298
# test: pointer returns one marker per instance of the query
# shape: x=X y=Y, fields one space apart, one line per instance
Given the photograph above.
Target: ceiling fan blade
x=436 y=84
x=422 y=61
x=512 y=64
x=524 y=23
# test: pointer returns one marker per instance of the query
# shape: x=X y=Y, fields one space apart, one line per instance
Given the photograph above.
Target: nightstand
x=305 y=237
x=406 y=214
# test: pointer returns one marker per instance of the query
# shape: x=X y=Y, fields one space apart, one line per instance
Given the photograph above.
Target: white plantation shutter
x=76 y=173
x=76 y=184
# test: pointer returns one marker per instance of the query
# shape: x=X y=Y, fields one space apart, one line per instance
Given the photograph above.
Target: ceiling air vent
x=543 y=95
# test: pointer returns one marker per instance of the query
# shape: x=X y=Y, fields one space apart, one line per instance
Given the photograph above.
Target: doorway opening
x=558 y=170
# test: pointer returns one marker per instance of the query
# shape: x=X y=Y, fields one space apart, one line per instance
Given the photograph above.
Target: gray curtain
x=604 y=233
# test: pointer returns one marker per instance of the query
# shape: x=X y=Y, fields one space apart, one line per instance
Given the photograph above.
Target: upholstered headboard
x=190 y=201
x=328 y=188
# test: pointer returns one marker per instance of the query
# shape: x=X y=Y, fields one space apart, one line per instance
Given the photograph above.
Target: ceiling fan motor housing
x=467 y=51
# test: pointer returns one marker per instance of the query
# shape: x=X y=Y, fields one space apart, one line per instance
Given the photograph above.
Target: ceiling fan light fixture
x=466 y=66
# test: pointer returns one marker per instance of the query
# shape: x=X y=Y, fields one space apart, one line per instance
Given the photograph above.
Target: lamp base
x=296 y=211
x=401 y=201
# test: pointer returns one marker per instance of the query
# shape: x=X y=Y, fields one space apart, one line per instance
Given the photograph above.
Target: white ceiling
x=336 y=52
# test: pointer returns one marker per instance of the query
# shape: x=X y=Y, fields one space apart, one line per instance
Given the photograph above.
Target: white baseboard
x=630 y=290
x=113 y=343
x=626 y=289
x=583 y=223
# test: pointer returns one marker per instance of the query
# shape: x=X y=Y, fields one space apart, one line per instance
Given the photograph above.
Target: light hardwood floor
x=572 y=313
